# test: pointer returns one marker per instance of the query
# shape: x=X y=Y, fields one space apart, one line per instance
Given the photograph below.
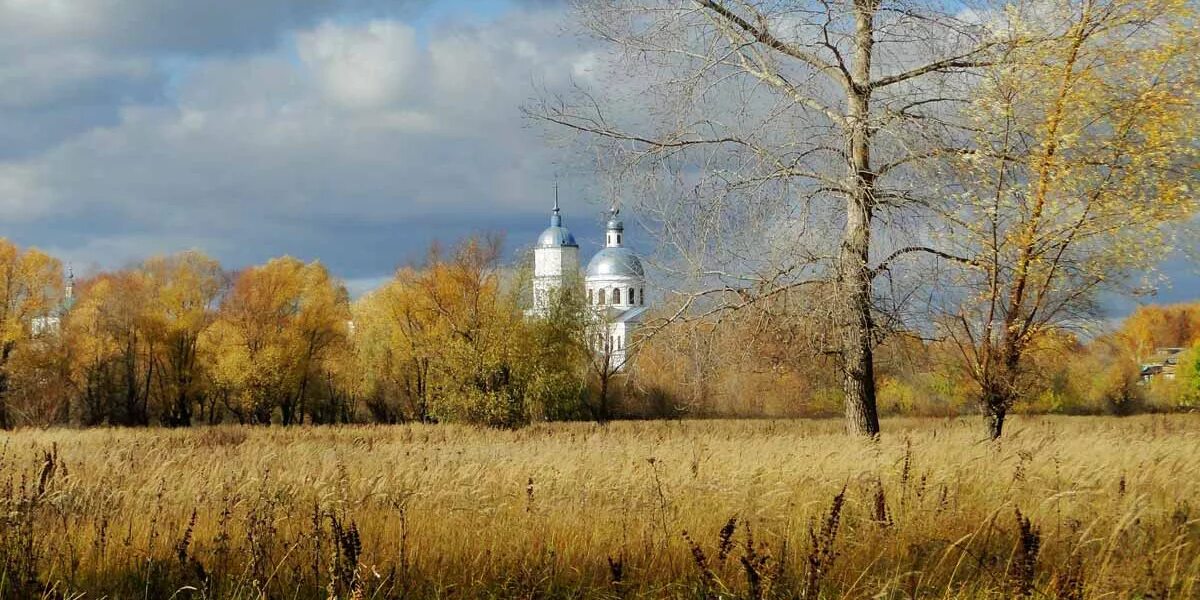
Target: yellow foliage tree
x=395 y=344
x=1083 y=168
x=447 y=341
x=276 y=328
x=93 y=348
x=1153 y=327
x=31 y=284
x=133 y=340
x=114 y=342
x=182 y=293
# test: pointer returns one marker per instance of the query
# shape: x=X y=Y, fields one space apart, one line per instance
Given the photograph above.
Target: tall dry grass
x=1060 y=508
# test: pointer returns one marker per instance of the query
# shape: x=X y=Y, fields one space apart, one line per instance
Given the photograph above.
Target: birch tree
x=772 y=144
x=1086 y=166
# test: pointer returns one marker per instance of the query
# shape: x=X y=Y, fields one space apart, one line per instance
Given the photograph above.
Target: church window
x=642 y=296
x=591 y=295
x=620 y=341
x=630 y=297
x=618 y=238
x=600 y=297
x=616 y=295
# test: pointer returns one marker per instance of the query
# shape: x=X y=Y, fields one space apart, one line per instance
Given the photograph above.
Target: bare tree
x=771 y=140
x=610 y=355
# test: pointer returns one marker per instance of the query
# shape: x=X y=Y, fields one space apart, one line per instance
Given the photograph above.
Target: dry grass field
x=1060 y=508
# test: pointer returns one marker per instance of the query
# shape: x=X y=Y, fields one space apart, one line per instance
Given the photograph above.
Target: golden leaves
x=31 y=287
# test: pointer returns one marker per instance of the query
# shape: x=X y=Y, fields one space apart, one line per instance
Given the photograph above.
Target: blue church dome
x=556 y=236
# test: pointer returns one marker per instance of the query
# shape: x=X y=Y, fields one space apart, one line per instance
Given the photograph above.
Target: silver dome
x=556 y=236
x=615 y=262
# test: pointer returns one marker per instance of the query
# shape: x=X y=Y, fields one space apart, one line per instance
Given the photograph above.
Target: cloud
x=73 y=74
x=67 y=66
x=23 y=195
x=166 y=26
x=365 y=67
x=48 y=95
x=355 y=141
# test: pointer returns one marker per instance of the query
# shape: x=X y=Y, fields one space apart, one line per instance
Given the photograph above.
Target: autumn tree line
x=179 y=341
x=757 y=364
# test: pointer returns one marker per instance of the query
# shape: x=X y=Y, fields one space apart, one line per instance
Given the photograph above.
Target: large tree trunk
x=144 y=402
x=601 y=412
x=262 y=414
x=182 y=414
x=184 y=363
x=993 y=419
x=858 y=365
x=995 y=408
x=4 y=422
x=997 y=396
x=854 y=276
x=286 y=411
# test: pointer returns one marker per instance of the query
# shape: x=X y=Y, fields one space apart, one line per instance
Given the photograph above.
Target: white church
x=614 y=283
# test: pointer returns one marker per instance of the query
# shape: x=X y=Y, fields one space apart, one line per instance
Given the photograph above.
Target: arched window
x=642 y=296
x=600 y=297
x=618 y=238
x=631 y=297
x=616 y=295
x=591 y=295
x=620 y=340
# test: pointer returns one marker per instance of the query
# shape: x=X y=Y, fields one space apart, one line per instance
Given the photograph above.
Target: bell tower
x=555 y=260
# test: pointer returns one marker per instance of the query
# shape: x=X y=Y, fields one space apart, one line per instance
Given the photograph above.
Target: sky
x=355 y=132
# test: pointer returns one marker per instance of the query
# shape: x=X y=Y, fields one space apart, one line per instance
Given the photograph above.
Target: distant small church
x=51 y=323
x=614 y=283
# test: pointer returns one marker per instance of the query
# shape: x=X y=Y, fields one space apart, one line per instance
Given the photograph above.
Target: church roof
x=615 y=262
x=633 y=315
x=556 y=236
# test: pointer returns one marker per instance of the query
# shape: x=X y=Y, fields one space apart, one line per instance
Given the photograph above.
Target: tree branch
x=884 y=265
x=765 y=37
x=962 y=61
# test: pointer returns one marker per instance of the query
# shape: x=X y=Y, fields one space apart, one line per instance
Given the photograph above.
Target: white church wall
x=551 y=266
x=610 y=284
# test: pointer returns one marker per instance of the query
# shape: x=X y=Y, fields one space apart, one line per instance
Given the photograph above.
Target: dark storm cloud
x=183 y=27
